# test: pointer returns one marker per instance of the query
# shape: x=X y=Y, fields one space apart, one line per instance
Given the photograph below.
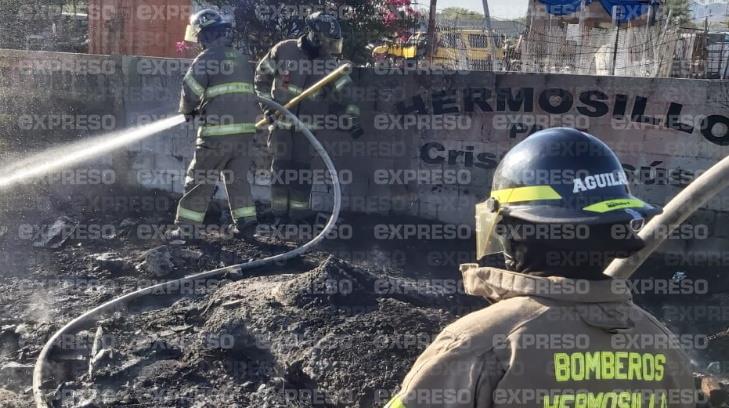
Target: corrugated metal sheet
x=138 y=27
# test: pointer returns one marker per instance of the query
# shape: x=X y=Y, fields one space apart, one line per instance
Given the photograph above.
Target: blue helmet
x=324 y=33
x=205 y=21
x=558 y=176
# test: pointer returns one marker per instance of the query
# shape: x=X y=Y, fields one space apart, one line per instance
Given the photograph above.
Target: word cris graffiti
x=470 y=156
x=591 y=103
x=467 y=156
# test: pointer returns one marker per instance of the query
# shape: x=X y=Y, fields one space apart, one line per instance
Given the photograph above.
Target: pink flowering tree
x=401 y=18
x=262 y=23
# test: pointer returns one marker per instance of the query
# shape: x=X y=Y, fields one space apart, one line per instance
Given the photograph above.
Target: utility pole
x=581 y=23
x=659 y=43
x=431 y=30
x=490 y=35
x=579 y=58
x=616 y=22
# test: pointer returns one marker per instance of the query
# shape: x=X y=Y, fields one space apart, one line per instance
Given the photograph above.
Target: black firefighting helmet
x=208 y=22
x=324 y=33
x=558 y=176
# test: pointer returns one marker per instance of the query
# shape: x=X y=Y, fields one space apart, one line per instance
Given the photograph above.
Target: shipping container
x=138 y=27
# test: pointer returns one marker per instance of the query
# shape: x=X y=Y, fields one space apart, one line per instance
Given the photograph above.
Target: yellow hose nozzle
x=332 y=76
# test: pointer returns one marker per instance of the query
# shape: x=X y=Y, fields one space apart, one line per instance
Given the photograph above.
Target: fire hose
x=344 y=69
x=89 y=317
x=674 y=213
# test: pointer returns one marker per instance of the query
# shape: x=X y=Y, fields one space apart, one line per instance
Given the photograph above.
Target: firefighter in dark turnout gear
x=218 y=88
x=285 y=71
x=559 y=333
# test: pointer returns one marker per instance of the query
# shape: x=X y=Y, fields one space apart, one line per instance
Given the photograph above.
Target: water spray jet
x=61 y=157
x=90 y=316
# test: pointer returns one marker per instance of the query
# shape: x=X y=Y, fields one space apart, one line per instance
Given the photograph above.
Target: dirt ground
x=338 y=327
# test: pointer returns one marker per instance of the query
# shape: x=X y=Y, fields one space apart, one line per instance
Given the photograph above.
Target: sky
x=499 y=8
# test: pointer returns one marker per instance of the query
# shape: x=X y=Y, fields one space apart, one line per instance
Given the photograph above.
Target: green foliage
x=460 y=14
x=680 y=12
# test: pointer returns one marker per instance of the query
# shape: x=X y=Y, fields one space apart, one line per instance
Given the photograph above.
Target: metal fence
x=658 y=50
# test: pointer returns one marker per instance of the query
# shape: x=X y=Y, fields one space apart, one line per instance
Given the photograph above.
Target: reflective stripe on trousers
x=190 y=215
x=224 y=130
x=244 y=212
x=230 y=157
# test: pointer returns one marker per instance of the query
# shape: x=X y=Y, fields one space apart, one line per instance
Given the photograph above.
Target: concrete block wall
x=480 y=116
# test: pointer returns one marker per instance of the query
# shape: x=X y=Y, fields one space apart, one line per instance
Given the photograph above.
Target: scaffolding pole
x=431 y=30
x=489 y=33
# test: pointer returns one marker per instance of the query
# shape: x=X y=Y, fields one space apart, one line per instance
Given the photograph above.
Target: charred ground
x=338 y=327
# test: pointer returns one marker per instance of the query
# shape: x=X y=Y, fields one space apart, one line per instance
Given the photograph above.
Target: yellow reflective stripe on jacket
x=190 y=215
x=231 y=129
x=614 y=204
x=529 y=193
x=342 y=82
x=229 y=88
x=195 y=86
x=352 y=110
x=298 y=205
x=244 y=212
x=293 y=89
x=296 y=91
x=395 y=403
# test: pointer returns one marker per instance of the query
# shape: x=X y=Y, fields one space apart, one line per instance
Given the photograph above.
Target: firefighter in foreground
x=560 y=333
x=289 y=68
x=218 y=88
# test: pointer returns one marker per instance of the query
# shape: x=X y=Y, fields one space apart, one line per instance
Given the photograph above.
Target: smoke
x=67 y=155
x=40 y=309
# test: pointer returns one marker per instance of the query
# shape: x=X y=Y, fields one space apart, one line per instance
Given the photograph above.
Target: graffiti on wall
x=566 y=105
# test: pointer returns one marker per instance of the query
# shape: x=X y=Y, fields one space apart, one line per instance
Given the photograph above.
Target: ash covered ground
x=338 y=327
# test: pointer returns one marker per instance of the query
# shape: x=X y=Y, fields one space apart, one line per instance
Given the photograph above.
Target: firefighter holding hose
x=218 y=89
x=289 y=68
x=560 y=333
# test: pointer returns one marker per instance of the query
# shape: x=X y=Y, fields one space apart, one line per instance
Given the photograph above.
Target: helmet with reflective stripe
x=325 y=33
x=203 y=21
x=558 y=176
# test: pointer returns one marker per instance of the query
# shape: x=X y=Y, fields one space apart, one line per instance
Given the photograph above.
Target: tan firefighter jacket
x=287 y=70
x=550 y=342
x=219 y=86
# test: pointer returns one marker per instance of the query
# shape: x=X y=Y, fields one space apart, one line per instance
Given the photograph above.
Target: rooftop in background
x=509 y=28
x=503 y=9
